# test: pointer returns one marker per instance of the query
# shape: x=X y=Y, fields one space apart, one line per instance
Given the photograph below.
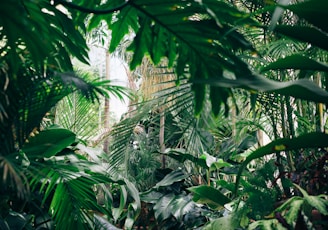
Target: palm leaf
x=187 y=31
x=33 y=25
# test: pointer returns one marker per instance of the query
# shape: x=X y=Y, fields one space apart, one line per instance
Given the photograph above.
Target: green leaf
x=296 y=61
x=121 y=26
x=117 y=212
x=220 y=163
x=306 y=34
x=48 y=143
x=314 y=11
x=293 y=212
x=161 y=208
x=271 y=224
x=141 y=43
x=171 y=178
x=180 y=205
x=302 y=88
x=216 y=98
x=199 y=92
x=181 y=156
x=208 y=195
x=226 y=223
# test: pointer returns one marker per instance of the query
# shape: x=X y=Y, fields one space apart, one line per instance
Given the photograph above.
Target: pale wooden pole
x=107 y=104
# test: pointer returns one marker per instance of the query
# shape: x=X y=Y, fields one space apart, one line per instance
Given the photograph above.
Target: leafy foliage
x=213 y=46
x=45 y=182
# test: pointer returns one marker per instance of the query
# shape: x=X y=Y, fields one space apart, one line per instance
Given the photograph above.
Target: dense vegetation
x=227 y=131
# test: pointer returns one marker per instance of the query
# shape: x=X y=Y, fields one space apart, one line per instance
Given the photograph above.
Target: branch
x=87 y=10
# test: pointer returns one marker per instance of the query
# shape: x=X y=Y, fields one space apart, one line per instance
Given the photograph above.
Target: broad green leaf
x=288 y=203
x=296 y=61
x=216 y=98
x=17 y=220
x=135 y=205
x=162 y=209
x=171 y=178
x=150 y=196
x=199 y=92
x=314 y=11
x=180 y=205
x=159 y=46
x=132 y=215
x=141 y=43
x=293 y=212
x=48 y=143
x=310 y=140
x=181 y=156
x=202 y=40
x=117 y=212
x=208 y=195
x=220 y=163
x=121 y=26
x=306 y=34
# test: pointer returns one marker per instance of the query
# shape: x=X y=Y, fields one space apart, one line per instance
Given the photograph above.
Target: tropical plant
x=214 y=46
x=283 y=103
x=46 y=179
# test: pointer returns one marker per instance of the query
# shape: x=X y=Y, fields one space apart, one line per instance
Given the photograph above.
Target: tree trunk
x=107 y=104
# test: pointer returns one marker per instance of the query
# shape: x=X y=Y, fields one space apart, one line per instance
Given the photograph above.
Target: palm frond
x=29 y=25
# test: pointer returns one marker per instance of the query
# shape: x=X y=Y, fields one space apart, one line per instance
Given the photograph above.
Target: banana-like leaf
x=208 y=195
x=48 y=143
x=310 y=140
x=296 y=61
x=171 y=178
x=306 y=34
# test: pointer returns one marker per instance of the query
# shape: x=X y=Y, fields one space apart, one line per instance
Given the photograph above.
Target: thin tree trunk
x=107 y=104
x=319 y=108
